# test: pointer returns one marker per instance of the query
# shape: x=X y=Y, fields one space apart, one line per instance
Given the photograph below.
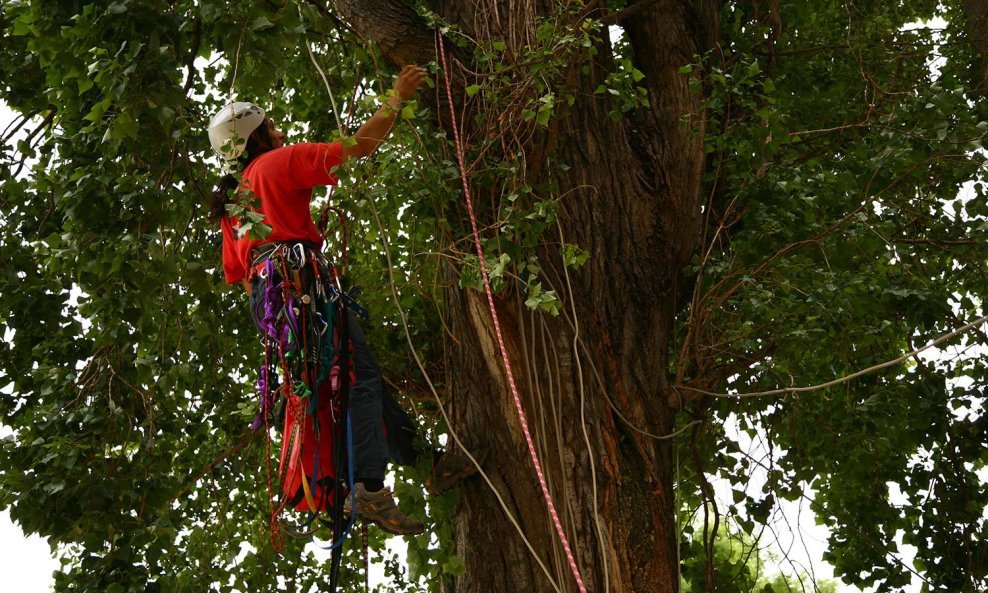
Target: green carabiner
x=301 y=389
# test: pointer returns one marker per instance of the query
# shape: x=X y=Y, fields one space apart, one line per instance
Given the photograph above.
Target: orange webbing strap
x=308 y=493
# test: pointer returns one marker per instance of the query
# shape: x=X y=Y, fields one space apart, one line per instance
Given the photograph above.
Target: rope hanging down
x=497 y=329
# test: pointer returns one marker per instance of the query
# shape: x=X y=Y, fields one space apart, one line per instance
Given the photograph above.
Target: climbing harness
x=497 y=329
x=298 y=303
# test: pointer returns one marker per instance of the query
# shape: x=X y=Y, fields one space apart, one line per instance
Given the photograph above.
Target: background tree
x=676 y=199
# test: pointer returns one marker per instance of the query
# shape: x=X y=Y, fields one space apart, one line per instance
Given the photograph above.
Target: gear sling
x=298 y=305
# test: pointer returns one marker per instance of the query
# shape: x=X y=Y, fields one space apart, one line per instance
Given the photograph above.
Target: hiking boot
x=380 y=508
x=450 y=469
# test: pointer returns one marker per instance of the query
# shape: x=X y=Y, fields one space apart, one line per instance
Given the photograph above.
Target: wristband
x=386 y=104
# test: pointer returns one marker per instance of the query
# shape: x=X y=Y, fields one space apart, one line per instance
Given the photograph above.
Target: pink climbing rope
x=497 y=329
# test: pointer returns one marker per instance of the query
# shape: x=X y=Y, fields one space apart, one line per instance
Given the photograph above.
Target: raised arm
x=376 y=129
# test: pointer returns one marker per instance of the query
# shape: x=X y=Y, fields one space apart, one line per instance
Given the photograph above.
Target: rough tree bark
x=633 y=200
x=976 y=12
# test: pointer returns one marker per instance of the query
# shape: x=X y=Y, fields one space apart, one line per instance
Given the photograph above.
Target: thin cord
x=869 y=370
x=583 y=419
x=500 y=338
x=325 y=81
x=677 y=500
x=442 y=407
x=236 y=63
x=336 y=116
x=629 y=423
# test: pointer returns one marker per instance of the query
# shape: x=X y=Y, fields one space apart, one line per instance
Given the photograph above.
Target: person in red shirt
x=283 y=176
x=278 y=181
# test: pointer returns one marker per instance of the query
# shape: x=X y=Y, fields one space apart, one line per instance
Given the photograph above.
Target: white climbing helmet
x=231 y=126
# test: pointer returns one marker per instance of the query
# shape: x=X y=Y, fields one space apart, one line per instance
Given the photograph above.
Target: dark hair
x=258 y=143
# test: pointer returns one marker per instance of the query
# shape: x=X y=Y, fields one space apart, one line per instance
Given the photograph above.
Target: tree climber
x=282 y=178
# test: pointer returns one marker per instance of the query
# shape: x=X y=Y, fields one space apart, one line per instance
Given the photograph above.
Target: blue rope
x=353 y=494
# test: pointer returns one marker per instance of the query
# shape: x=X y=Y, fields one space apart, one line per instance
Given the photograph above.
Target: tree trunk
x=632 y=199
x=976 y=12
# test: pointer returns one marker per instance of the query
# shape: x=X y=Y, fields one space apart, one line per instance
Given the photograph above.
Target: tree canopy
x=839 y=221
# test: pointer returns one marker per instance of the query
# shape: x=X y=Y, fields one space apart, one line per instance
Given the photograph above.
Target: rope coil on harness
x=497 y=329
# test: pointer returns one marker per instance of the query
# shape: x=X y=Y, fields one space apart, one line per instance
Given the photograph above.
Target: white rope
x=236 y=64
x=583 y=419
x=325 y=81
x=961 y=330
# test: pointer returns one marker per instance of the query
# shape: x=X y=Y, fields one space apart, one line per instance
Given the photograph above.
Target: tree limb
x=625 y=13
x=398 y=30
x=8 y=133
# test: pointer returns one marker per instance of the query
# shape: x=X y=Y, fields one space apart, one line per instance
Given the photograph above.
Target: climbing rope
x=497 y=329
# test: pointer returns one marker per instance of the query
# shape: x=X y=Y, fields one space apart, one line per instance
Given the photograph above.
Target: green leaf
x=259 y=231
x=261 y=23
x=454 y=566
x=22 y=24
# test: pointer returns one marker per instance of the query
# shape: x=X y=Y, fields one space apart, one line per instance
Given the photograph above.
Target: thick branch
x=396 y=28
x=667 y=36
x=627 y=12
x=405 y=38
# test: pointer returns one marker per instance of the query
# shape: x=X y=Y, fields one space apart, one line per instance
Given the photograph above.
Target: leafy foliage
x=847 y=227
x=838 y=140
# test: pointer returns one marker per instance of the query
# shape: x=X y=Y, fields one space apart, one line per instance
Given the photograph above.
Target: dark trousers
x=382 y=430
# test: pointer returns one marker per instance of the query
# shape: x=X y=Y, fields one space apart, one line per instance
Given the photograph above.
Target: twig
x=48 y=119
x=24 y=119
x=193 y=53
x=249 y=437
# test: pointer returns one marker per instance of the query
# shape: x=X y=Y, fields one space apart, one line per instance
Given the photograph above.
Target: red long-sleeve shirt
x=283 y=179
